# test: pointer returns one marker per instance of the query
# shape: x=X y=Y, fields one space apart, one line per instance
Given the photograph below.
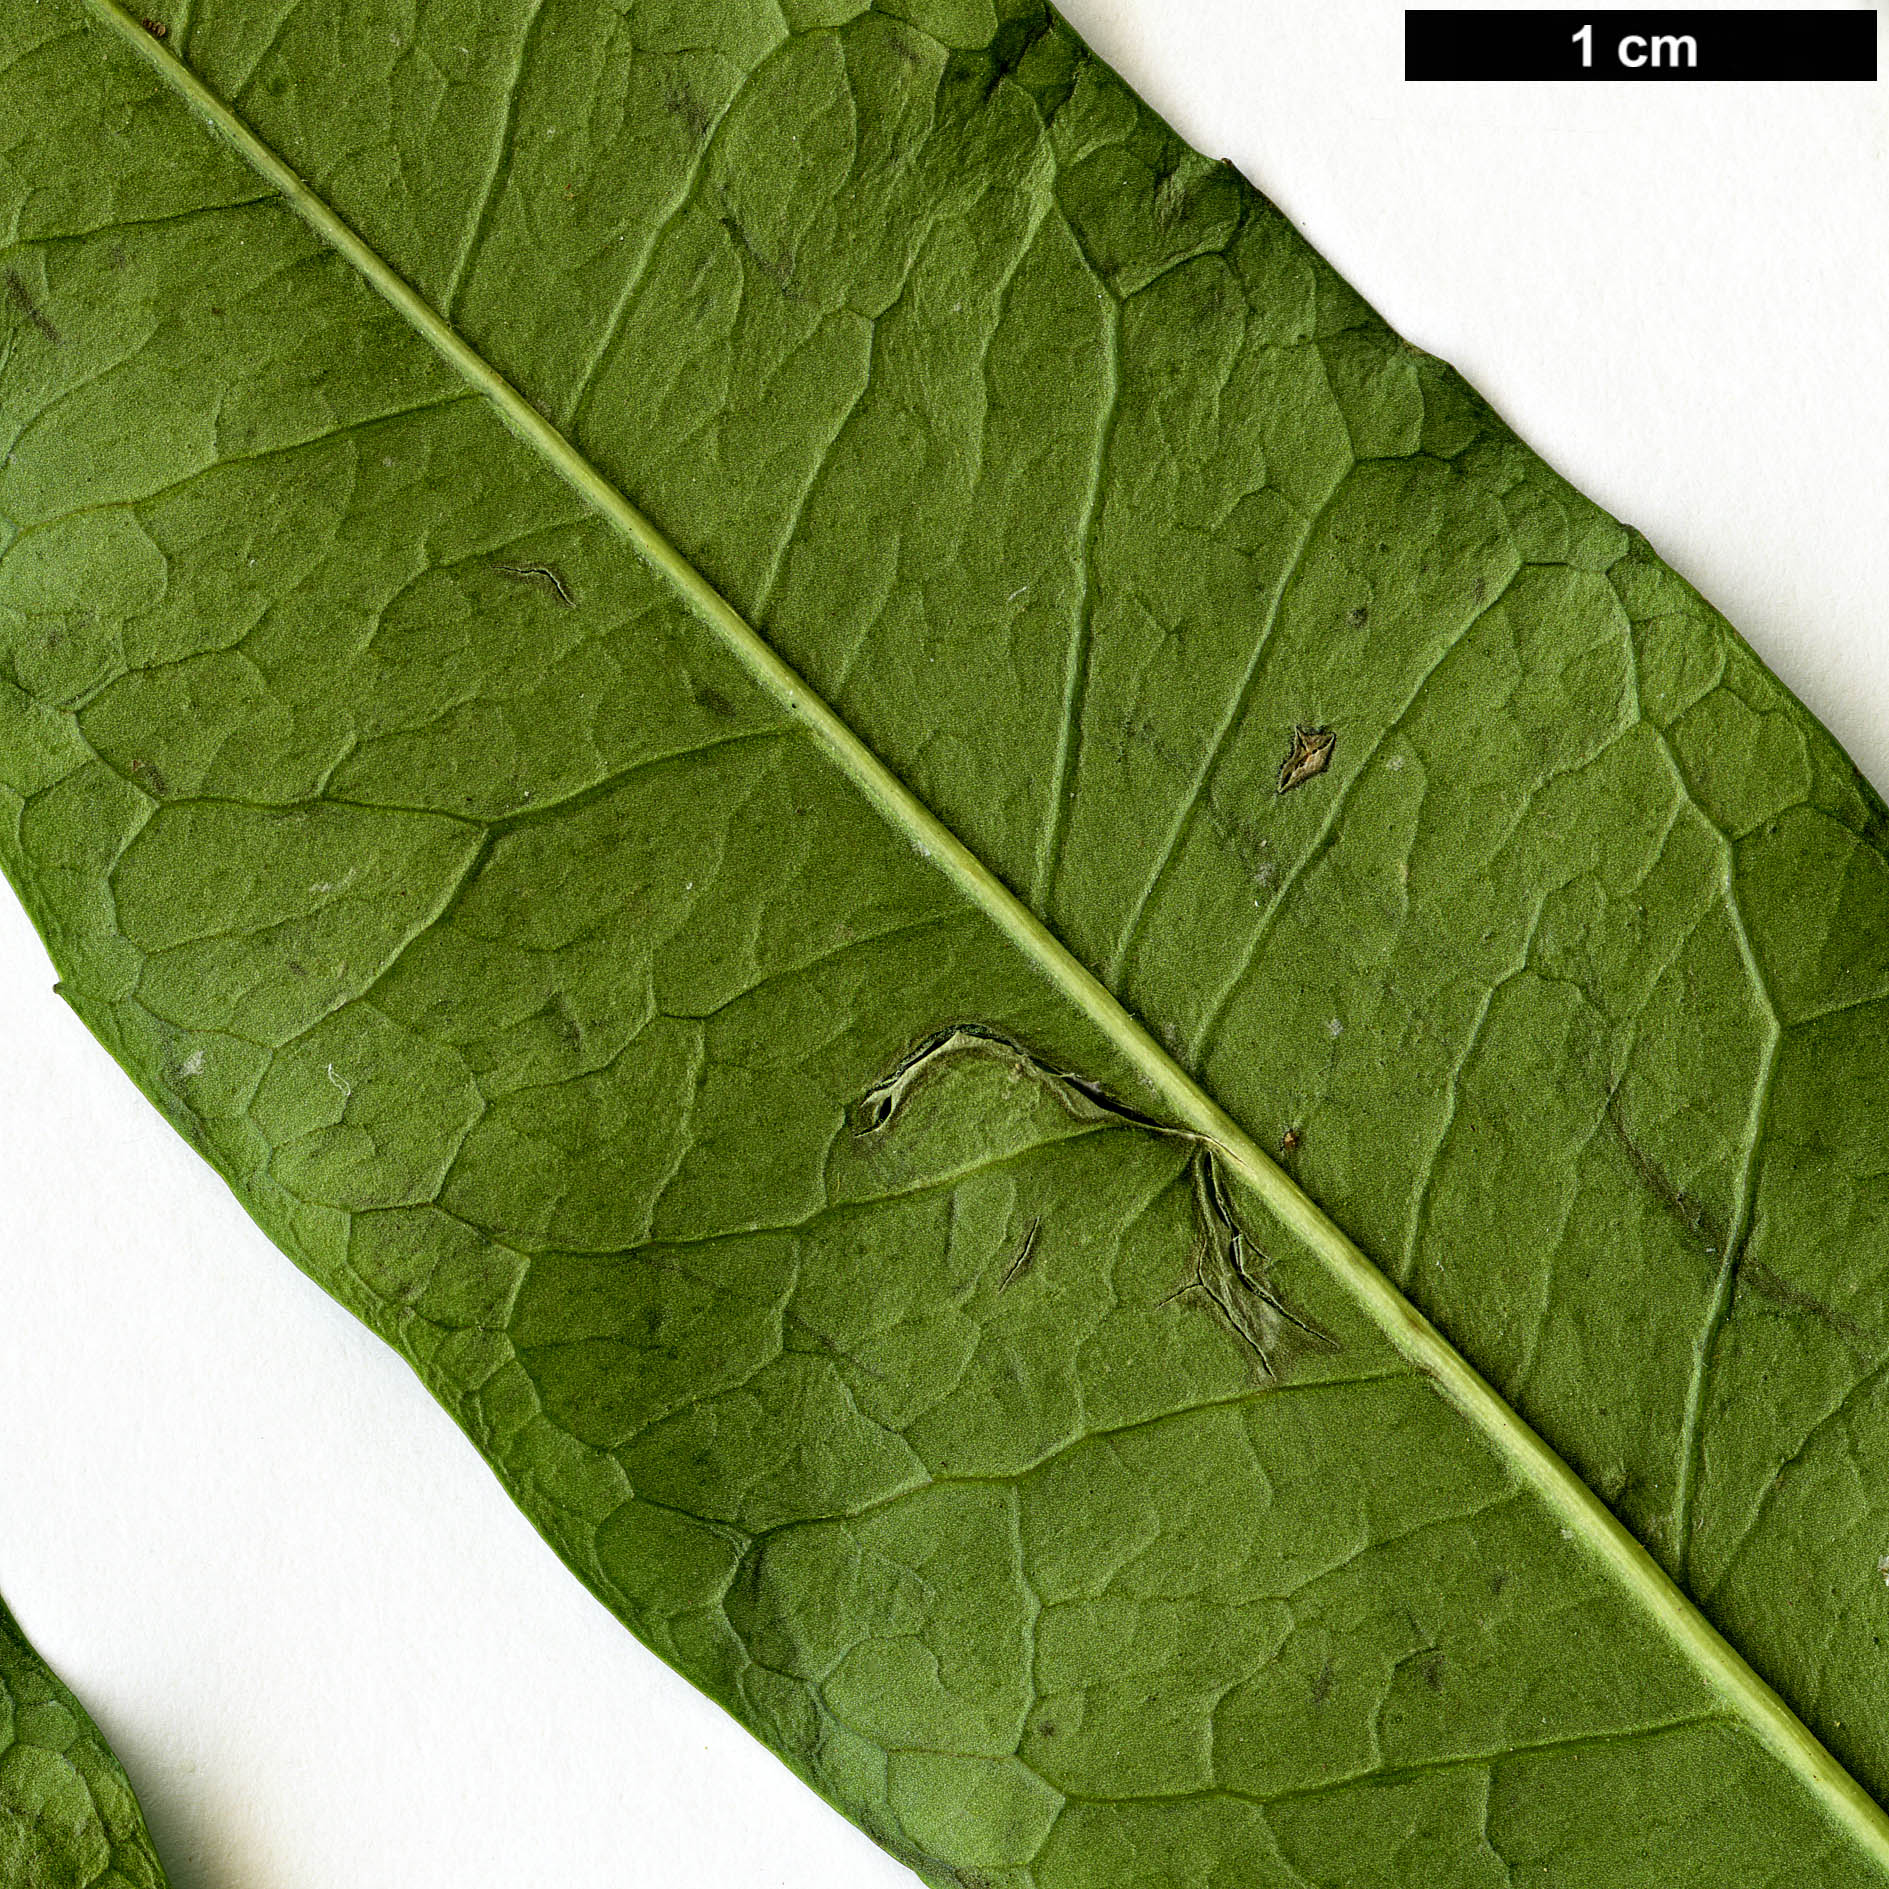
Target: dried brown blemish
x=1292 y=1141
x=1309 y=756
x=22 y=298
x=156 y=28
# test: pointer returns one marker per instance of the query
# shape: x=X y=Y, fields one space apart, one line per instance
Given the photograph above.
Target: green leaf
x=736 y=702
x=68 y=1816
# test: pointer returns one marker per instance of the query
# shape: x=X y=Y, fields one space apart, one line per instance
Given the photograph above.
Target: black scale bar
x=1664 y=46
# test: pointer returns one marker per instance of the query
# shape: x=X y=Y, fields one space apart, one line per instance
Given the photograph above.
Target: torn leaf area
x=1229 y=1272
x=1234 y=1276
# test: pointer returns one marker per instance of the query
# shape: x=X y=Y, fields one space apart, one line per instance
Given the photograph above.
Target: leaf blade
x=1130 y=1045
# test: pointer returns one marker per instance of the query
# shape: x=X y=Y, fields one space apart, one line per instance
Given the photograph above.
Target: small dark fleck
x=157 y=29
x=1310 y=756
x=22 y=299
x=1291 y=1141
x=1358 y=616
x=681 y=103
x=150 y=777
x=1321 y=1686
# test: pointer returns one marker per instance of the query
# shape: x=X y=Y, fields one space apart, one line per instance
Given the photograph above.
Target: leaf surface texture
x=68 y=1816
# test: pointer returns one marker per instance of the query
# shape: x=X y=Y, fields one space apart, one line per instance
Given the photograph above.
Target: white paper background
x=330 y=1651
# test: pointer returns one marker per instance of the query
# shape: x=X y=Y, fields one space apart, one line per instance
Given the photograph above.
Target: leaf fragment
x=68 y=1816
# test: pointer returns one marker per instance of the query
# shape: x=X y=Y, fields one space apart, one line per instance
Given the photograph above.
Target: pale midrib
x=1533 y=1463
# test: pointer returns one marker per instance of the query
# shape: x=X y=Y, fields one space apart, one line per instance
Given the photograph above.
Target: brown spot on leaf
x=1309 y=757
